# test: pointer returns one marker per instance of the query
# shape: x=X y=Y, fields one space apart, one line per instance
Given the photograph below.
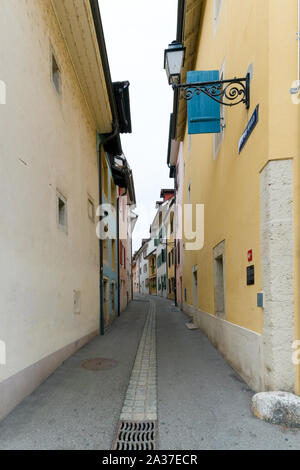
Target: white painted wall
x=144 y=271
x=47 y=143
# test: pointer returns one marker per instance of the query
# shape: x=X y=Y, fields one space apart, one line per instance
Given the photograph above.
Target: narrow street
x=201 y=402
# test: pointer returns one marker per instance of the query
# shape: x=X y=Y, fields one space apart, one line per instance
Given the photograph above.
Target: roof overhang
x=167 y=194
x=174 y=150
x=151 y=254
x=123 y=177
x=188 y=30
x=81 y=27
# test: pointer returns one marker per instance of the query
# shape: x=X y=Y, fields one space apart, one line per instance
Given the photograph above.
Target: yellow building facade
x=252 y=198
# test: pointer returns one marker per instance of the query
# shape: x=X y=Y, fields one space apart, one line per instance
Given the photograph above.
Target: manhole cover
x=136 y=435
x=100 y=363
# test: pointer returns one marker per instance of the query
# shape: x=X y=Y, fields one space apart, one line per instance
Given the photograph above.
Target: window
x=105 y=251
x=189 y=193
x=217 y=11
x=61 y=212
x=106 y=300
x=172 y=224
x=56 y=78
x=112 y=296
x=219 y=279
x=171 y=257
x=121 y=252
x=113 y=192
x=113 y=254
x=178 y=254
x=91 y=210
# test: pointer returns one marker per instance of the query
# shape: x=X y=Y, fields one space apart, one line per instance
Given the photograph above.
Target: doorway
x=195 y=288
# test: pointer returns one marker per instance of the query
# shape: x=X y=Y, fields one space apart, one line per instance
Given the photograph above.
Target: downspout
x=101 y=243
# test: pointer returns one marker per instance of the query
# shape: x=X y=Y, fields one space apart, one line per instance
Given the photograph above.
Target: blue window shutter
x=204 y=114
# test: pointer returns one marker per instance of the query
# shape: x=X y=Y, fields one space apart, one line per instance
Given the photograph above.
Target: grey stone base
x=277 y=408
x=17 y=387
x=241 y=348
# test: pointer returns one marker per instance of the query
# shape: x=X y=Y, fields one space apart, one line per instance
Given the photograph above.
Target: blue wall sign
x=249 y=129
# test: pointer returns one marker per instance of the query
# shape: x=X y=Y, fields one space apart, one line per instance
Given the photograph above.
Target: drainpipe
x=100 y=242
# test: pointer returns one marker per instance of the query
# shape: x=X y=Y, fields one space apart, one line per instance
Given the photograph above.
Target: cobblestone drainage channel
x=99 y=363
x=138 y=427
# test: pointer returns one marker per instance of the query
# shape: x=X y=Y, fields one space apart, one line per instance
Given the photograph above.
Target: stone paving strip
x=141 y=398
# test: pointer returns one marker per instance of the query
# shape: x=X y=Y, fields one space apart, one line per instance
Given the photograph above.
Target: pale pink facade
x=127 y=220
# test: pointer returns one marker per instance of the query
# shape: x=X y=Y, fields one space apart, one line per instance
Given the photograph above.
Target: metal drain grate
x=136 y=435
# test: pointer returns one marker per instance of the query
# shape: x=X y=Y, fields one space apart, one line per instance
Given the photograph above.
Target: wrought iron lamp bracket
x=226 y=92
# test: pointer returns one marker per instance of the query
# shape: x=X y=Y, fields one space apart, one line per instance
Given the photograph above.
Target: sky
x=136 y=34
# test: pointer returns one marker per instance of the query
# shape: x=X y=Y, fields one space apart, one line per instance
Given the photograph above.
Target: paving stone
x=140 y=401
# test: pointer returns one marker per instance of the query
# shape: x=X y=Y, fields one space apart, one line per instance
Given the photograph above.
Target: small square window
x=56 y=78
x=91 y=210
x=61 y=212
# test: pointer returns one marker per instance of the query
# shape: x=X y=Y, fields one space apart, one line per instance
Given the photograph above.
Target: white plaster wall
x=46 y=143
x=277 y=254
x=144 y=275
